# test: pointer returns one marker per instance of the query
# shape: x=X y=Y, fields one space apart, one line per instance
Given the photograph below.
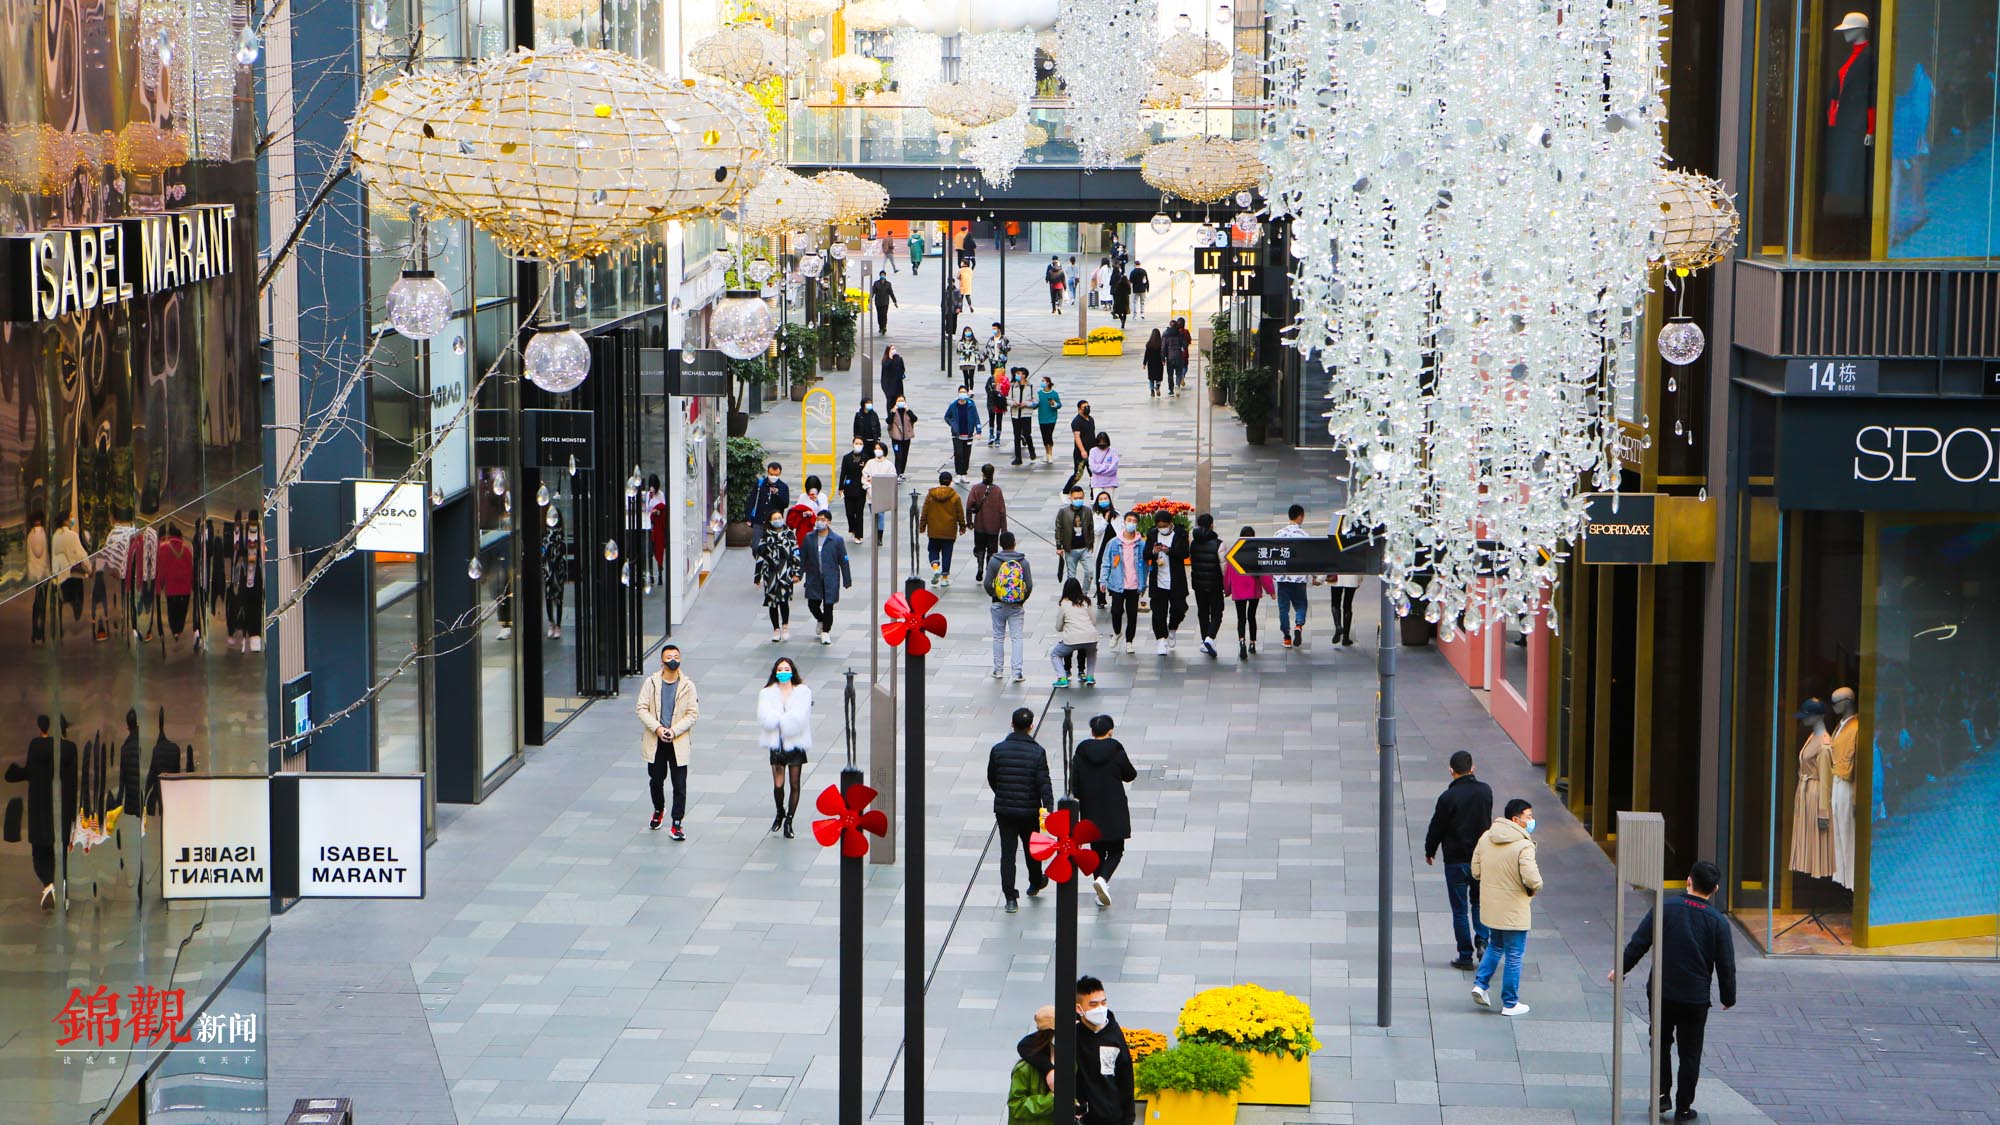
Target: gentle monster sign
x=1916 y=455
x=55 y=273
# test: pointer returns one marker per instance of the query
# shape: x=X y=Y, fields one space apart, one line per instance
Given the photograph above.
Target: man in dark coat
x=1695 y=948
x=1121 y=296
x=1463 y=811
x=1142 y=284
x=1017 y=770
x=868 y=423
x=1098 y=774
x=852 y=481
x=39 y=771
x=824 y=555
x=1205 y=575
x=1168 y=548
x=1104 y=1088
x=892 y=377
x=882 y=294
x=771 y=495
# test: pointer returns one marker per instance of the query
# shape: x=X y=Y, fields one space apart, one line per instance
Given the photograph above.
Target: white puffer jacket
x=784 y=724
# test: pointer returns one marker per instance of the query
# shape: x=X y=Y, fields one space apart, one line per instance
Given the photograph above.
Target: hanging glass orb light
x=1204 y=235
x=551 y=517
x=1681 y=341
x=759 y=270
x=419 y=305
x=472 y=568
x=556 y=358
x=838 y=251
x=611 y=550
x=742 y=325
x=1161 y=223
x=542 y=496
x=811 y=265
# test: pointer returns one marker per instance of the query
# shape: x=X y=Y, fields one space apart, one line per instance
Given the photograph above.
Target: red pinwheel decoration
x=848 y=821
x=1061 y=845
x=911 y=622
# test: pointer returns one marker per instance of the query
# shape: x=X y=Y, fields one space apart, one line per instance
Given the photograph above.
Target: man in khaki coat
x=1504 y=864
x=668 y=741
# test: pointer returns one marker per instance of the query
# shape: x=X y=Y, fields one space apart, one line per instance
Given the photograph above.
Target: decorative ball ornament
x=849 y=70
x=854 y=199
x=1681 y=341
x=1185 y=54
x=871 y=15
x=759 y=270
x=742 y=325
x=1161 y=222
x=419 y=305
x=1205 y=235
x=745 y=53
x=970 y=104
x=1202 y=169
x=1697 y=224
x=811 y=265
x=556 y=359
x=838 y=251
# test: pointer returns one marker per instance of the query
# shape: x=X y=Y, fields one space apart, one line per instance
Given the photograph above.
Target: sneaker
x=677 y=834
x=935 y=574
x=1018 y=677
x=1103 y=890
x=1013 y=906
x=826 y=638
x=1062 y=681
x=996 y=673
x=1129 y=649
x=785 y=633
x=1036 y=886
x=774 y=637
x=1465 y=964
x=657 y=817
x=1208 y=646
x=1163 y=646
x=1173 y=642
x=1090 y=681
x=945 y=582
x=1481 y=997
x=1516 y=1009
x=1688 y=1114
x=1298 y=638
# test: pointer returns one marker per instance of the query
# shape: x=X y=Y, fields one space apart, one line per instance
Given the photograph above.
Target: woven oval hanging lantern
x=854 y=199
x=1185 y=54
x=1697 y=224
x=1202 y=169
x=745 y=53
x=970 y=104
x=783 y=202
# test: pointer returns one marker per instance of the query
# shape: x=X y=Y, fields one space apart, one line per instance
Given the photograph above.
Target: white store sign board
x=215 y=837
x=394 y=516
x=361 y=836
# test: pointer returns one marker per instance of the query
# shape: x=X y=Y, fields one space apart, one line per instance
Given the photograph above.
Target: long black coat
x=1098 y=774
x=892 y=381
x=1121 y=295
x=1017 y=770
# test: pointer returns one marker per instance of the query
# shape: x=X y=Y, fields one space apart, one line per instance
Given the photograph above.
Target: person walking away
x=1100 y=285
x=986 y=507
x=1021 y=411
x=1098 y=774
x=883 y=295
x=917 y=246
x=1123 y=575
x=902 y=431
x=851 y=479
x=1082 y=437
x=827 y=573
x=1104 y=465
x=1009 y=583
x=1053 y=277
x=1168 y=547
x=655 y=505
x=1048 y=411
x=1076 y=635
x=1341 y=588
x=1030 y=1099
x=1105 y=522
x=997 y=387
x=948 y=306
x=1205 y=577
x=944 y=520
x=1174 y=350
x=1292 y=587
x=968 y=249
x=888 y=249
x=778 y=568
x=962 y=419
x=970 y=356
x=1155 y=362
x=965 y=280
x=1463 y=811
x=1695 y=948
x=1017 y=771
x=1013 y=233
x=1075 y=533
x=893 y=369
x=668 y=707
x=772 y=494
x=1504 y=864
x=784 y=722
x=1121 y=297
x=1075 y=278
x=1142 y=283
x=1104 y=1091
x=1246 y=591
x=867 y=423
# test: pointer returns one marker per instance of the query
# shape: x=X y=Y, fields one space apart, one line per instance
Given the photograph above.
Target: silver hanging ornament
x=1681 y=341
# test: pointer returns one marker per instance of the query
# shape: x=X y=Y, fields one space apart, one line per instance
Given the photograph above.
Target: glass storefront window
x=1875 y=139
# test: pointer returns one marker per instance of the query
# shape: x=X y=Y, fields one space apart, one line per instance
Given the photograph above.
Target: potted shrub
x=1191 y=1084
x=837 y=320
x=746 y=458
x=745 y=374
x=1146 y=510
x=1104 y=341
x=1251 y=390
x=1272 y=1031
x=1075 y=345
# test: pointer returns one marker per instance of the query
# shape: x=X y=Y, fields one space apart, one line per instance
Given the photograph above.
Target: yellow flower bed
x=1144 y=1041
x=1105 y=335
x=1249 y=1017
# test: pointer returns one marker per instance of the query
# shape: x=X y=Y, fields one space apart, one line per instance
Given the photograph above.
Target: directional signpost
x=1305 y=555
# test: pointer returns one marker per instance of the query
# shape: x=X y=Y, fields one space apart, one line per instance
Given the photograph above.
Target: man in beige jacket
x=1504 y=864
x=668 y=741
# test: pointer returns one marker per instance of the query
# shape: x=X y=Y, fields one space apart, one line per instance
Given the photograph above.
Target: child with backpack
x=1009 y=583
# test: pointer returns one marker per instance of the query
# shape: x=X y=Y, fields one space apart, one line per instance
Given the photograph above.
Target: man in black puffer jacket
x=1205 y=575
x=1017 y=770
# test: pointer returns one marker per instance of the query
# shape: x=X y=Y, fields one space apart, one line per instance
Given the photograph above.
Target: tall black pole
x=1064 y=1056
x=944 y=318
x=1002 y=255
x=851 y=940
x=1385 y=730
x=913 y=876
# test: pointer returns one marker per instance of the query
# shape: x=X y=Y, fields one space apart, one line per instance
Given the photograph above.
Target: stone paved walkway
x=571 y=965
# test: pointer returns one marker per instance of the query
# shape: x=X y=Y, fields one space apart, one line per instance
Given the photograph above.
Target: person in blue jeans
x=1504 y=863
x=1462 y=813
x=1291 y=588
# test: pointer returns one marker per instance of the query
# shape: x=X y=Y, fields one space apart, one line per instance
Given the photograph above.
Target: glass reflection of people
x=246 y=587
x=1847 y=150
x=68 y=558
x=1846 y=744
x=36 y=572
x=39 y=771
x=555 y=571
x=1812 y=812
x=165 y=758
x=131 y=773
x=174 y=572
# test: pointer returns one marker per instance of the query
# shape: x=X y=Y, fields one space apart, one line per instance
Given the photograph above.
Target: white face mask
x=1097 y=1017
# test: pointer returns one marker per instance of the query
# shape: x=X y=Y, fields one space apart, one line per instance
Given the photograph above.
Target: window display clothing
x=1850 y=130
x=1845 y=745
x=1812 y=812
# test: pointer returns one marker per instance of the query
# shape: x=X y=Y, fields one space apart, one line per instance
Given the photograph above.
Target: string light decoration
x=871 y=15
x=565 y=10
x=970 y=104
x=854 y=199
x=40 y=159
x=191 y=45
x=783 y=202
x=850 y=70
x=1005 y=61
x=1185 y=55
x=143 y=148
x=1697 y=222
x=918 y=61
x=1104 y=51
x=560 y=154
x=1202 y=169
x=745 y=53
x=1470 y=263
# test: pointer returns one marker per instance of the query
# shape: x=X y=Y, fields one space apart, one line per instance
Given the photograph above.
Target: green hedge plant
x=1194 y=1068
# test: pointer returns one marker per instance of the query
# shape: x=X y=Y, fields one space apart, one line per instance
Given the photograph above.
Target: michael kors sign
x=54 y=273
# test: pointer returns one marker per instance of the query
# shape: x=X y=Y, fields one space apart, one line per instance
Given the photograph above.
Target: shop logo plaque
x=66 y=270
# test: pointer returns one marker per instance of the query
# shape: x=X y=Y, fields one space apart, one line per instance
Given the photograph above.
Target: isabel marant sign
x=54 y=273
x=1909 y=455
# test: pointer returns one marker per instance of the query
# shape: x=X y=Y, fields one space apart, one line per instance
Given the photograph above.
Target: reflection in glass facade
x=132 y=561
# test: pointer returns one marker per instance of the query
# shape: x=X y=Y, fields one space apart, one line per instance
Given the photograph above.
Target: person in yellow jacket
x=668 y=708
x=1504 y=864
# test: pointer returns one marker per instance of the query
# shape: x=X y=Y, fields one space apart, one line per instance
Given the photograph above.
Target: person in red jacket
x=174 y=572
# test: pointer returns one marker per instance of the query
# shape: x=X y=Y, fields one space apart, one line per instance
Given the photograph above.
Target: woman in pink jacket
x=1246 y=592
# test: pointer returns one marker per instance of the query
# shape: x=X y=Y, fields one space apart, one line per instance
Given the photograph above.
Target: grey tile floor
x=570 y=965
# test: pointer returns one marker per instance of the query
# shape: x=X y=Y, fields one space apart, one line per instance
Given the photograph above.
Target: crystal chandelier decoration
x=1202 y=169
x=1185 y=55
x=1005 y=61
x=970 y=104
x=1105 y=51
x=1695 y=226
x=1470 y=264
x=846 y=71
x=918 y=61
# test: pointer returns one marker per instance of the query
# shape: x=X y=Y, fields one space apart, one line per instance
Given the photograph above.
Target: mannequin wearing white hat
x=1846 y=156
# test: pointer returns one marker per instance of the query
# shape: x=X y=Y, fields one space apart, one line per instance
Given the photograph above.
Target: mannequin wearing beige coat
x=1812 y=808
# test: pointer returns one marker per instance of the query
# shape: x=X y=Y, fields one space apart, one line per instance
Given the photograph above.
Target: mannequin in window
x=1846 y=744
x=1847 y=153
x=1812 y=813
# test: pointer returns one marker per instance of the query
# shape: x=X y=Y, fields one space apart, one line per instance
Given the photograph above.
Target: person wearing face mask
x=944 y=521
x=668 y=708
x=852 y=481
x=879 y=465
x=970 y=356
x=1104 y=1090
x=1075 y=534
x=770 y=495
x=883 y=295
x=1168 y=548
x=826 y=571
x=1104 y=522
x=1503 y=862
x=986 y=505
x=1021 y=411
x=962 y=419
x=867 y=423
x=784 y=722
x=1126 y=569
x=777 y=570
x=1082 y=437
x=893 y=369
x=1048 y=411
x=1104 y=465
x=902 y=431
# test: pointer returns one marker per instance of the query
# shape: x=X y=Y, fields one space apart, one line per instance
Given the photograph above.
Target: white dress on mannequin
x=1843 y=816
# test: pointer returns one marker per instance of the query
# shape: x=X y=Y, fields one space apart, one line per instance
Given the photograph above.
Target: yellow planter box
x=1178 y=1107
x=1105 y=347
x=1276 y=1080
x=1074 y=349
